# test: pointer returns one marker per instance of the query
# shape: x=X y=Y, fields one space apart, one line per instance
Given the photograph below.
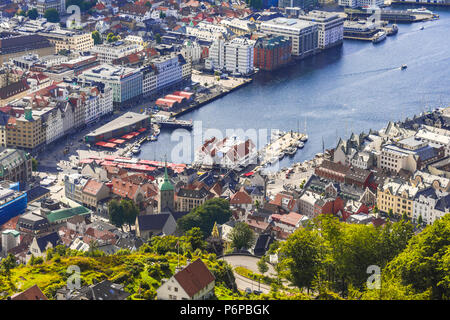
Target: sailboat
x=304 y=138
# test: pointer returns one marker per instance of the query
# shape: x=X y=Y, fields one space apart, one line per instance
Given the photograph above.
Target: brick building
x=272 y=52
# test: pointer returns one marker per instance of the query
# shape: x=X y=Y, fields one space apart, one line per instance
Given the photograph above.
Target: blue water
x=353 y=88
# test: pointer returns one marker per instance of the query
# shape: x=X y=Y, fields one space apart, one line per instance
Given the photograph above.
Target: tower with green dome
x=166 y=193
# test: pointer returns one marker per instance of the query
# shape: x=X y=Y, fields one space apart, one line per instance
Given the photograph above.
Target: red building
x=272 y=52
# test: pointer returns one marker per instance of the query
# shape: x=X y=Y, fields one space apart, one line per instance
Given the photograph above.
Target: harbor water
x=353 y=88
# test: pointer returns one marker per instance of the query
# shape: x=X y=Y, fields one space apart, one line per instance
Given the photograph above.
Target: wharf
x=272 y=152
x=199 y=102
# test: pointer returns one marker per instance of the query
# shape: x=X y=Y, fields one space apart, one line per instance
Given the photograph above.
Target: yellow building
x=25 y=132
x=396 y=195
x=70 y=40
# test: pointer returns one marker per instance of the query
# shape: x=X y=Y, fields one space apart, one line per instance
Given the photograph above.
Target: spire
x=215 y=231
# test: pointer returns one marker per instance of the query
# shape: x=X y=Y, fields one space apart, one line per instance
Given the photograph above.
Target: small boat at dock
x=403 y=67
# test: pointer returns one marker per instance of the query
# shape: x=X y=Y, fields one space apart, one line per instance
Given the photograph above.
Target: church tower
x=166 y=193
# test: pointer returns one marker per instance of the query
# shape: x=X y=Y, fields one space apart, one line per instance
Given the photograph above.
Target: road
x=250 y=263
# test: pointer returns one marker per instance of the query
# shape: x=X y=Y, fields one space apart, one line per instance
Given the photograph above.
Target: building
x=194 y=282
x=73 y=187
x=166 y=194
x=239 y=27
x=32 y=293
x=126 y=83
x=361 y=3
x=188 y=199
x=304 y=35
x=331 y=27
x=272 y=52
x=69 y=39
x=430 y=204
x=12 y=203
x=16 y=45
x=155 y=224
x=170 y=71
x=303 y=4
x=25 y=131
x=120 y=126
x=396 y=195
x=108 y=52
x=10 y=239
x=39 y=245
x=93 y=192
x=410 y=154
x=235 y=56
x=15 y=165
x=44 y=5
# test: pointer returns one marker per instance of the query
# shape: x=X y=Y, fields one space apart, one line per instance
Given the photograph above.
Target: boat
x=128 y=154
x=403 y=67
x=281 y=155
x=379 y=36
x=421 y=28
x=422 y=10
x=300 y=145
x=304 y=138
x=153 y=138
x=291 y=151
x=135 y=150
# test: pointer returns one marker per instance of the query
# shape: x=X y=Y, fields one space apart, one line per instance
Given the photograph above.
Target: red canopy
x=142 y=129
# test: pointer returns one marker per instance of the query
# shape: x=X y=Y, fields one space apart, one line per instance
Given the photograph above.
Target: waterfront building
x=149 y=80
x=108 y=52
x=359 y=29
x=120 y=126
x=331 y=27
x=304 y=35
x=398 y=195
x=68 y=39
x=303 y=4
x=235 y=56
x=361 y=3
x=272 y=52
x=172 y=71
x=436 y=138
x=126 y=83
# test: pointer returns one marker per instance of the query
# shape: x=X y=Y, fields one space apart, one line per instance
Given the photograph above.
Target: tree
x=97 y=38
x=158 y=38
x=404 y=216
x=130 y=212
x=242 y=236
x=33 y=14
x=116 y=214
x=162 y=15
x=21 y=13
x=7 y=264
x=34 y=164
x=390 y=213
x=215 y=210
x=51 y=15
x=262 y=268
x=148 y=4
x=375 y=209
x=111 y=37
x=420 y=220
x=195 y=238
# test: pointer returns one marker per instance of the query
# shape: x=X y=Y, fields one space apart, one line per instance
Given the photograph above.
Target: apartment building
x=25 y=132
x=304 y=35
x=108 y=52
x=272 y=52
x=149 y=81
x=397 y=195
x=235 y=56
x=331 y=27
x=44 y=5
x=65 y=39
x=430 y=204
x=169 y=71
x=15 y=165
x=126 y=83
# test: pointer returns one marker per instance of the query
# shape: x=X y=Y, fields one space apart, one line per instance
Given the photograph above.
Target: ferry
x=403 y=67
x=380 y=36
x=422 y=10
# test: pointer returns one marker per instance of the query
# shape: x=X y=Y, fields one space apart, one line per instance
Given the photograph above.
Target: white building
x=194 y=282
x=361 y=3
x=235 y=56
x=307 y=202
x=431 y=205
x=331 y=27
x=192 y=51
x=435 y=138
x=126 y=83
x=304 y=35
x=169 y=71
x=106 y=53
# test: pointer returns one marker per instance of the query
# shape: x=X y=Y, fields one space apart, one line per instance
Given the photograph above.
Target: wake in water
x=369 y=71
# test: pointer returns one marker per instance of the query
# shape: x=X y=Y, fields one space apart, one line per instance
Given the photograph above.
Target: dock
x=275 y=149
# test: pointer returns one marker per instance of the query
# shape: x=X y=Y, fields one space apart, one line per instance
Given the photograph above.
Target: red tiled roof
x=241 y=197
x=195 y=277
x=32 y=293
x=92 y=187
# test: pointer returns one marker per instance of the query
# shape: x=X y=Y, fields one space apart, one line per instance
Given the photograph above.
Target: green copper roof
x=166 y=185
x=61 y=214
